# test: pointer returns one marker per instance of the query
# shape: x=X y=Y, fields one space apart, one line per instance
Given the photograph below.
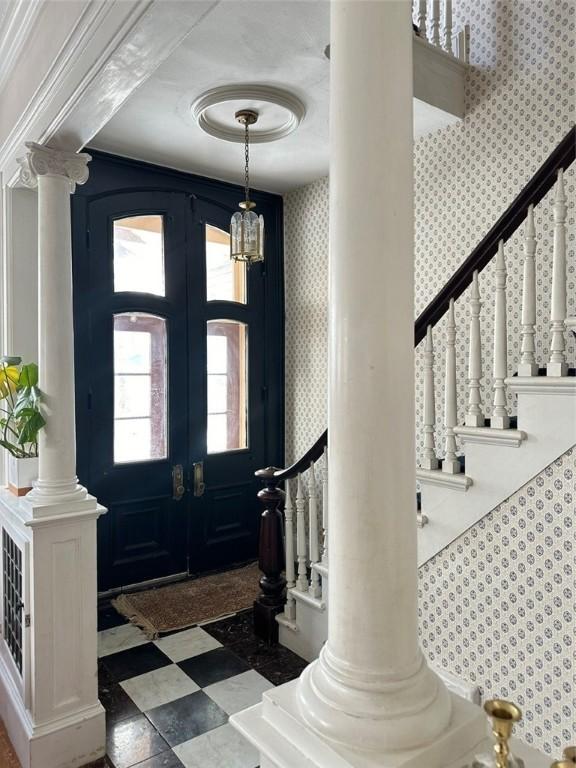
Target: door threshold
x=141 y=586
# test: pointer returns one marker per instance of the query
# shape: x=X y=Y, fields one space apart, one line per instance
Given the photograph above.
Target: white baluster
x=474 y=414
x=314 y=589
x=500 y=418
x=290 y=607
x=422 y=18
x=435 y=23
x=448 y=26
x=429 y=458
x=450 y=463
x=528 y=365
x=301 y=549
x=325 y=508
x=557 y=365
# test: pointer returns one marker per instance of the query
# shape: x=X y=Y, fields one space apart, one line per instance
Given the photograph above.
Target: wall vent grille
x=13 y=603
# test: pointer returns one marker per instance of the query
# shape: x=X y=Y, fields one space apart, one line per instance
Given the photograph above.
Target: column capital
x=46 y=161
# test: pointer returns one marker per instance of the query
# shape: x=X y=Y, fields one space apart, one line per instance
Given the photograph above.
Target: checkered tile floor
x=167 y=702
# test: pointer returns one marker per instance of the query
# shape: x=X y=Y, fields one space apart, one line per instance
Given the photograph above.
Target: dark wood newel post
x=271 y=558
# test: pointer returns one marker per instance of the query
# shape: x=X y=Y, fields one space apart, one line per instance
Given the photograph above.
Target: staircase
x=498 y=455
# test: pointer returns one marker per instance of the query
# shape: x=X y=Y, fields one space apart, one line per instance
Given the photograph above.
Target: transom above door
x=173 y=381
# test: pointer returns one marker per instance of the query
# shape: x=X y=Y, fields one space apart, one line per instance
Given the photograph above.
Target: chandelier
x=246 y=227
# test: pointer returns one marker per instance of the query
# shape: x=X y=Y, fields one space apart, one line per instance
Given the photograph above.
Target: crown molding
x=16 y=24
x=63 y=65
x=112 y=49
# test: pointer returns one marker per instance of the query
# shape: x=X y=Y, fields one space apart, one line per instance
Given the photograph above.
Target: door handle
x=198 y=472
x=178 y=488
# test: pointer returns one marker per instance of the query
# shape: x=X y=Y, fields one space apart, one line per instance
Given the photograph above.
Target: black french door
x=178 y=385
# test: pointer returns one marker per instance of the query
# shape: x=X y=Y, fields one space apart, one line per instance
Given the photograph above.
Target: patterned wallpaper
x=306 y=285
x=498 y=606
x=520 y=101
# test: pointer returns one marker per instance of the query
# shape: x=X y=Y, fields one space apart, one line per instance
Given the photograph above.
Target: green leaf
x=9 y=378
x=10 y=360
x=29 y=375
x=32 y=424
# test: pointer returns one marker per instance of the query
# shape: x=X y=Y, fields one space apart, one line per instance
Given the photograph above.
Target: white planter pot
x=21 y=475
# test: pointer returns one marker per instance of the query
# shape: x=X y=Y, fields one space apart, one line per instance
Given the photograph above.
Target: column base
x=38 y=505
x=54 y=492
x=279 y=730
x=372 y=709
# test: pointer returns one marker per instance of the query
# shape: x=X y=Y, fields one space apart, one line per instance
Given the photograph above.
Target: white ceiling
x=270 y=42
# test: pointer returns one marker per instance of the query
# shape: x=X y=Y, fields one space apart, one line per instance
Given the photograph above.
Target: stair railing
x=290 y=559
x=287 y=548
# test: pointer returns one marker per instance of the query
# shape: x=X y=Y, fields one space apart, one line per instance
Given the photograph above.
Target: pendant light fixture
x=246 y=227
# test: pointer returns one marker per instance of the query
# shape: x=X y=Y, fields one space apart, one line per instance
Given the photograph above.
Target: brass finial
x=503 y=715
x=568 y=759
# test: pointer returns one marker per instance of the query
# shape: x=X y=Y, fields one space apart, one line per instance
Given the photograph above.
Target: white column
x=65 y=724
x=557 y=365
x=474 y=414
x=500 y=418
x=450 y=463
x=429 y=458
x=528 y=365
x=55 y=173
x=371 y=688
x=370 y=698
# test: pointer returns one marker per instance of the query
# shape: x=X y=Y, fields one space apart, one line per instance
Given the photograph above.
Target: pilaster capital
x=45 y=161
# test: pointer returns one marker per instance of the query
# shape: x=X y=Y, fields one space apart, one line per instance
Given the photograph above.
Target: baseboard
x=456 y=685
x=70 y=742
x=15 y=717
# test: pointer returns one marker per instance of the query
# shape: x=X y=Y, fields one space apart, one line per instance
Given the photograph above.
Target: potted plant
x=20 y=421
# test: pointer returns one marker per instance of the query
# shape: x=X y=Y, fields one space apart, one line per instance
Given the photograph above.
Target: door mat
x=181 y=605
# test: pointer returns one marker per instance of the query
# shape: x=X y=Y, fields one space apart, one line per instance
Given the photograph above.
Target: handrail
x=542 y=181
x=271 y=547
x=312 y=454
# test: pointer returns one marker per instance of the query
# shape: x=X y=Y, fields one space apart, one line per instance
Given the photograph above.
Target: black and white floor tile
x=168 y=702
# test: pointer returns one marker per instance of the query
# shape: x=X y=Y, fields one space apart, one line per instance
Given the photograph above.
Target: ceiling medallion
x=280 y=112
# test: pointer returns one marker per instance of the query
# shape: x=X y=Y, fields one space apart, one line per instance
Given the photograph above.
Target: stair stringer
x=547 y=417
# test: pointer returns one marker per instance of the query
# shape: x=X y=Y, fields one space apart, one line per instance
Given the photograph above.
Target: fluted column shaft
x=371 y=687
x=55 y=173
